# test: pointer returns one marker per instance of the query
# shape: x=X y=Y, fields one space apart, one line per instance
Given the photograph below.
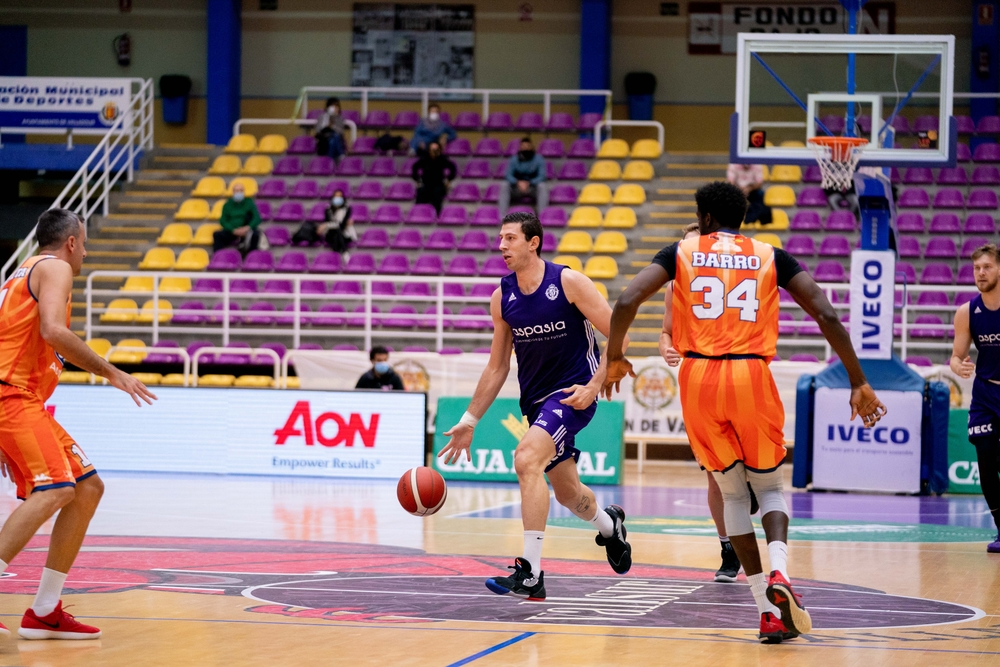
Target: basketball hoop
x=838 y=158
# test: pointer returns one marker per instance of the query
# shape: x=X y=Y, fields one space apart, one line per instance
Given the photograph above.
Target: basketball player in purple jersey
x=546 y=313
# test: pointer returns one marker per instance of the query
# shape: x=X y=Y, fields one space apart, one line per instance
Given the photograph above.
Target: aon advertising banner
x=601 y=444
x=250 y=431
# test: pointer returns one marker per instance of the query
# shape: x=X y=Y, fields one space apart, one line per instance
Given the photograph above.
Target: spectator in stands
x=330 y=131
x=526 y=179
x=381 y=376
x=433 y=173
x=750 y=179
x=240 y=221
x=430 y=129
x=391 y=143
x=839 y=199
x=337 y=231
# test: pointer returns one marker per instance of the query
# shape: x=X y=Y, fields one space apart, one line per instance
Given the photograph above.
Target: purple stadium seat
x=164 y=357
x=906 y=273
x=841 y=221
x=207 y=285
x=919 y=361
x=243 y=286
x=894 y=176
x=429 y=321
x=416 y=289
x=467 y=120
x=931 y=327
x=272 y=189
x=582 y=148
x=933 y=299
x=800 y=245
x=970 y=244
x=941 y=247
x=358 y=320
x=192 y=317
x=830 y=271
x=464 y=192
x=400 y=317
x=346 y=288
x=812 y=174
x=292 y=262
x=393 y=264
x=290 y=211
x=332 y=186
x=405 y=120
x=500 y=171
x=560 y=121
x=428 y=265
x=785 y=329
x=918 y=176
x=455 y=290
x=277 y=237
x=986 y=174
x=360 y=263
x=288 y=166
x=961 y=298
x=402 y=191
x=835 y=246
x=529 y=121
x=486 y=216
x=227 y=259
x=353 y=116
x=963 y=153
x=949 y=198
x=911 y=223
x=382 y=167
x=966 y=276
x=317 y=212
x=945 y=223
x=235 y=357
x=258 y=315
x=809 y=327
x=307 y=188
x=453 y=215
x=804 y=357
x=313 y=287
x=462 y=265
x=468 y=319
x=965 y=125
x=374 y=238
x=907 y=247
x=277 y=348
x=277 y=287
x=476 y=169
x=302 y=145
x=351 y=166
x=499 y=121
x=494 y=266
x=986 y=153
x=588 y=121
x=806 y=221
x=953 y=176
x=925 y=124
x=937 y=274
x=983 y=199
x=360 y=212
x=914 y=198
x=549 y=242
x=382 y=288
x=406 y=167
x=407 y=239
x=474 y=241
x=368 y=190
x=553 y=216
x=562 y=194
x=320 y=166
x=441 y=239
x=988 y=125
x=835 y=124
x=864 y=124
x=979 y=223
x=458 y=148
x=330 y=262
x=512 y=147
x=572 y=170
x=551 y=148
x=811 y=197
x=902 y=125
x=264 y=208
x=234 y=318
x=364 y=146
x=388 y=214
x=488 y=147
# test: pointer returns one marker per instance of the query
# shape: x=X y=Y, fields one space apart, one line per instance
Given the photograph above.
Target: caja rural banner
x=58 y=102
x=249 y=431
x=601 y=444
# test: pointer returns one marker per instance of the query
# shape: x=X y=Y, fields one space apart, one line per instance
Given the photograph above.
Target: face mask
x=382 y=367
x=338 y=201
x=526 y=155
x=238 y=196
x=331 y=110
x=433 y=116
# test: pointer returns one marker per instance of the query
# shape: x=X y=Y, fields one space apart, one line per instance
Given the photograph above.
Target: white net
x=837 y=163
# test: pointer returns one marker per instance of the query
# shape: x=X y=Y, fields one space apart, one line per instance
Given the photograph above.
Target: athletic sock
x=778 y=552
x=49 y=592
x=723 y=539
x=3 y=567
x=758 y=586
x=603 y=522
x=533 y=549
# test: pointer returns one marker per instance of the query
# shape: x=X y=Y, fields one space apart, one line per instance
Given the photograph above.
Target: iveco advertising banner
x=62 y=103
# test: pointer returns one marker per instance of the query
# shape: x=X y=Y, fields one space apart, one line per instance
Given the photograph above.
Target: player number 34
x=716 y=299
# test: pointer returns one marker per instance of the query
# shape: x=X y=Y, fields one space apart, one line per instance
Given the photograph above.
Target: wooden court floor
x=206 y=570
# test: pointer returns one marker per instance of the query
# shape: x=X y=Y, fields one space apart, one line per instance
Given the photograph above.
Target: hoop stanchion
x=838 y=159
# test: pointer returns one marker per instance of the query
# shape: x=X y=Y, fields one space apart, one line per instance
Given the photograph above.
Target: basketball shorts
x=40 y=453
x=732 y=412
x=562 y=423
x=984 y=410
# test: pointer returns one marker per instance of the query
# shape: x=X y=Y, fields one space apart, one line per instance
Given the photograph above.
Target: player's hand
x=131 y=386
x=460 y=443
x=865 y=403
x=965 y=368
x=617 y=370
x=581 y=396
x=672 y=357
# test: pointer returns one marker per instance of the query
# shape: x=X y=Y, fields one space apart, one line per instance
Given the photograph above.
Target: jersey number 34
x=716 y=299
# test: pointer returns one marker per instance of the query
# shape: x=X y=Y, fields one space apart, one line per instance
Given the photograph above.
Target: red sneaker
x=773 y=631
x=4 y=632
x=793 y=612
x=57 y=625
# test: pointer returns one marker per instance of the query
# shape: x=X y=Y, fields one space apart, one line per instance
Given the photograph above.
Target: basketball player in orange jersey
x=725 y=325
x=50 y=470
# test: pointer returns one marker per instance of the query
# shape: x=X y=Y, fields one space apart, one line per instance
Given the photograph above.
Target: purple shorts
x=562 y=423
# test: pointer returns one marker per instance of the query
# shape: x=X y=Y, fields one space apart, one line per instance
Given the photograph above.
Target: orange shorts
x=732 y=412
x=40 y=453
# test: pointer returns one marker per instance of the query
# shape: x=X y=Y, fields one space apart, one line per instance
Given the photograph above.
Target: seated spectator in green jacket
x=240 y=222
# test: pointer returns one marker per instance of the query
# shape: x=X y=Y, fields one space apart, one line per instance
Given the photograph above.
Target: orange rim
x=840 y=147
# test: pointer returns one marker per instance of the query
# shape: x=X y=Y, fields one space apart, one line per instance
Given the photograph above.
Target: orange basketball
x=421 y=491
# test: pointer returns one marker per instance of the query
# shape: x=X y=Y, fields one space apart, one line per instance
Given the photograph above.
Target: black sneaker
x=730 y=564
x=521 y=583
x=754 y=505
x=619 y=551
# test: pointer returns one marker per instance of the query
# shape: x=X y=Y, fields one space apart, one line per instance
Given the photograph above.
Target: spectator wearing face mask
x=525 y=180
x=337 y=231
x=433 y=173
x=430 y=129
x=240 y=221
x=381 y=376
x=330 y=131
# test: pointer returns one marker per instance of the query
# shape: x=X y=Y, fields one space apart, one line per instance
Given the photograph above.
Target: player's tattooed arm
x=961 y=363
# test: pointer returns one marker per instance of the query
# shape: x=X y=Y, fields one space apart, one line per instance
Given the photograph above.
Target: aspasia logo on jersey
x=300 y=423
x=538 y=329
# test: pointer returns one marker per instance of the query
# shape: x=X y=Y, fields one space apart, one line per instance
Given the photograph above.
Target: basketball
x=421 y=491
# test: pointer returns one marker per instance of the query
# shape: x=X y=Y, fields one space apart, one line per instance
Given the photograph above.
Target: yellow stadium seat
x=256 y=381
x=638 y=170
x=158 y=259
x=779 y=220
x=100 y=346
x=210 y=186
x=148 y=379
x=792 y=144
x=601 y=268
x=137 y=284
x=610 y=243
x=779 y=195
x=258 y=165
x=786 y=173
x=242 y=143
x=770 y=239
x=272 y=143
x=629 y=194
x=620 y=217
x=226 y=165
x=173 y=380
x=579 y=242
x=249 y=186
x=595 y=193
x=602 y=289
x=192 y=209
x=767 y=172
x=176 y=233
x=216 y=212
x=203 y=236
x=175 y=285
x=585 y=216
x=571 y=261
x=133 y=353
x=614 y=149
x=605 y=170
x=293 y=383
x=121 y=310
x=166 y=312
x=74 y=377
x=648 y=149
x=216 y=380
x=192 y=259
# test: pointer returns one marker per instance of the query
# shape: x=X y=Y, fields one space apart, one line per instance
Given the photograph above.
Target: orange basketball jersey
x=725 y=296
x=26 y=360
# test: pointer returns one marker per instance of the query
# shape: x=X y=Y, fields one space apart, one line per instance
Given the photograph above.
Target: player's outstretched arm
x=961 y=363
x=490 y=384
x=52 y=281
x=667 y=350
x=807 y=294
x=644 y=285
